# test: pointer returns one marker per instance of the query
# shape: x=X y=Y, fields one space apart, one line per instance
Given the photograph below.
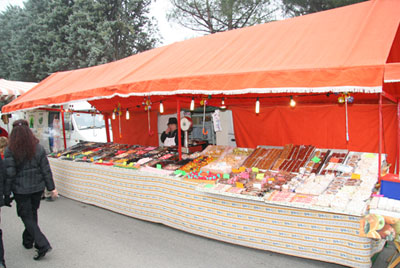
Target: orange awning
x=343 y=49
x=392 y=72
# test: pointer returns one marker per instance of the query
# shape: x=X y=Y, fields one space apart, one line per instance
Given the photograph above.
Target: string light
x=161 y=107
x=113 y=116
x=127 y=115
x=192 y=105
x=223 y=103
x=292 y=102
x=257 y=106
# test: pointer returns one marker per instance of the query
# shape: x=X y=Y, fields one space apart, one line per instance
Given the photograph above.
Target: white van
x=79 y=126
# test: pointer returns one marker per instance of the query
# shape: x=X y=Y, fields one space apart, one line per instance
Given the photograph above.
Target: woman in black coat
x=3 y=202
x=28 y=174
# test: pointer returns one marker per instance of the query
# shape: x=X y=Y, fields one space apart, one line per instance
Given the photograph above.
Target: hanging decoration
x=223 y=106
x=257 y=106
x=161 y=107
x=127 y=114
x=292 y=102
x=204 y=103
x=346 y=98
x=118 y=111
x=192 y=104
x=147 y=107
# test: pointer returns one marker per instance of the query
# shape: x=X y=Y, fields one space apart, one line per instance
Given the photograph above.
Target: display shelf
x=362 y=212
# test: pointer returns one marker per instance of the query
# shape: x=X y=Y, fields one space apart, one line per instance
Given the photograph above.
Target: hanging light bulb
x=223 y=103
x=257 y=106
x=127 y=115
x=192 y=105
x=292 y=102
x=113 y=116
x=161 y=107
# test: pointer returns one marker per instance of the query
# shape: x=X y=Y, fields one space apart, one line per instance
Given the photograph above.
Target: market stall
x=12 y=89
x=317 y=61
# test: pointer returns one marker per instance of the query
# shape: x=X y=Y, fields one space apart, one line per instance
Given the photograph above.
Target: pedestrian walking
x=3 y=201
x=28 y=174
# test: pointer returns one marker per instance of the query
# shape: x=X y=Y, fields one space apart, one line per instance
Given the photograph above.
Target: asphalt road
x=84 y=236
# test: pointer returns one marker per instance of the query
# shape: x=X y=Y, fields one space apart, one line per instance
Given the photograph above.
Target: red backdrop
x=135 y=130
x=319 y=125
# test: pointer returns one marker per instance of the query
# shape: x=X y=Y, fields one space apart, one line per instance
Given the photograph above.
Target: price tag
x=242 y=169
x=177 y=172
x=158 y=166
x=260 y=176
x=124 y=163
x=131 y=164
x=369 y=155
x=239 y=185
x=355 y=176
x=235 y=170
x=257 y=185
x=68 y=155
x=255 y=170
x=226 y=176
x=101 y=161
x=208 y=186
x=316 y=159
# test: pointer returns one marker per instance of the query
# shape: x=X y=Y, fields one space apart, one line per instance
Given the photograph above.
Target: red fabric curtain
x=136 y=129
x=323 y=126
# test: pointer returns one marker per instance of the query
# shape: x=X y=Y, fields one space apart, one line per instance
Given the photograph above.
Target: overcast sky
x=171 y=32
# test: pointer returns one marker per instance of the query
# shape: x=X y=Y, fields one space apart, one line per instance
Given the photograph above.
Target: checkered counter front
x=299 y=232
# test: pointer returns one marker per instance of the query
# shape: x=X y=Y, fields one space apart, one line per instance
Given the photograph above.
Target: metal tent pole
x=63 y=127
x=107 y=125
x=398 y=137
x=380 y=137
x=178 y=108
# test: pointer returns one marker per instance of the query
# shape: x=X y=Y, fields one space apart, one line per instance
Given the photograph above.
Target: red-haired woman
x=28 y=174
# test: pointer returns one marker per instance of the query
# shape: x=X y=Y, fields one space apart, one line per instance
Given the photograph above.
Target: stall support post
x=380 y=137
x=178 y=108
x=63 y=127
x=107 y=125
x=398 y=137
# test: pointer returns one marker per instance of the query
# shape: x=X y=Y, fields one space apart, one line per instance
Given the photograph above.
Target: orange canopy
x=343 y=49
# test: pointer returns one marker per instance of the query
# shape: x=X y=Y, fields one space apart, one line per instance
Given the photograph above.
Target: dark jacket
x=173 y=134
x=30 y=176
x=3 y=177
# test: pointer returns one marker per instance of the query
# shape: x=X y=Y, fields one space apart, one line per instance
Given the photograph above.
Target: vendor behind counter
x=170 y=136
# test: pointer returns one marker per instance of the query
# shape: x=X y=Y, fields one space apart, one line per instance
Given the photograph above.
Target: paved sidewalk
x=84 y=236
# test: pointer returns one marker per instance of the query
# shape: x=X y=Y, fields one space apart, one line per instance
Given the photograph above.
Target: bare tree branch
x=213 y=16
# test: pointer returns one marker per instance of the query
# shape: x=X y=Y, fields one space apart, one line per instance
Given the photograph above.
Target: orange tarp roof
x=343 y=49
